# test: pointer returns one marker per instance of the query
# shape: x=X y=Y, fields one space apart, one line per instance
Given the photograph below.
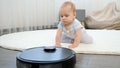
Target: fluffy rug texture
x=105 y=41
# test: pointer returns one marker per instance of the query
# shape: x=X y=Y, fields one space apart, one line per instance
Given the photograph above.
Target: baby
x=70 y=29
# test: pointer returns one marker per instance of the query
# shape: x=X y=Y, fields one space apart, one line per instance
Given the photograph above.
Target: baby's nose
x=63 y=17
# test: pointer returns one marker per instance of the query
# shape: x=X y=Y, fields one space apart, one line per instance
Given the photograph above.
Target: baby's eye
x=61 y=16
x=66 y=15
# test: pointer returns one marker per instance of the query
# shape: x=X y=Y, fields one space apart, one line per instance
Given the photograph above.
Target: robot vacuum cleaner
x=46 y=57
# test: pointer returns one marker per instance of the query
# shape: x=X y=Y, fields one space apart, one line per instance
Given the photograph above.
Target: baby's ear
x=74 y=14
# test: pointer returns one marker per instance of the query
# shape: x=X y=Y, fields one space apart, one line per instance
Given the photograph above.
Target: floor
x=8 y=60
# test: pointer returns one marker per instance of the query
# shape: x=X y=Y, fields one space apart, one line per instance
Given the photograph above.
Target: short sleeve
x=60 y=26
x=77 y=25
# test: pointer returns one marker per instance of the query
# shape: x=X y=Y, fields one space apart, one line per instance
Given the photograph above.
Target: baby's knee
x=87 y=40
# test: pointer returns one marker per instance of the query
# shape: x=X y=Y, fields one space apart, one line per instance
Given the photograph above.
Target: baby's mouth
x=65 y=21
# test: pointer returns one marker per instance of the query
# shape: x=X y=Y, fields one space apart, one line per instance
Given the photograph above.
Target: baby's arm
x=58 y=37
x=77 y=39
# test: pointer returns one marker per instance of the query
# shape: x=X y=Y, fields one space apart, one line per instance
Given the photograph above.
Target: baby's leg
x=86 y=39
x=65 y=39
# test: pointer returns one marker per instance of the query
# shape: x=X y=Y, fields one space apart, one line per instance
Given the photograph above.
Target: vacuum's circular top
x=48 y=54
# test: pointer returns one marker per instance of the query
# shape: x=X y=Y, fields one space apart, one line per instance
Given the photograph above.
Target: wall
x=88 y=5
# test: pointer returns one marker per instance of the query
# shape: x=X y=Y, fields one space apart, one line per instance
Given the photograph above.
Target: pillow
x=108 y=18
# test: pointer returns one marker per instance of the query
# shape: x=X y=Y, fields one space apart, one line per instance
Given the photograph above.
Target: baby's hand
x=59 y=45
x=72 y=46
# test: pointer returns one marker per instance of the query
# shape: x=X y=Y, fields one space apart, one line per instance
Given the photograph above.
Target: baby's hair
x=71 y=4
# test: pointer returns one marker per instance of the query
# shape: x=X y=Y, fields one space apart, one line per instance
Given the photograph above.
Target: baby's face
x=67 y=15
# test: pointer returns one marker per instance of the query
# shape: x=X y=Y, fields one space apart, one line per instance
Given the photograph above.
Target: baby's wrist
x=58 y=44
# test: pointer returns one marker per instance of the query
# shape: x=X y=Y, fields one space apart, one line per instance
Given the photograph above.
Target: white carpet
x=105 y=41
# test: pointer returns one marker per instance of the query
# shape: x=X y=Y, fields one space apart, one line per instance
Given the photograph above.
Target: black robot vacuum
x=46 y=57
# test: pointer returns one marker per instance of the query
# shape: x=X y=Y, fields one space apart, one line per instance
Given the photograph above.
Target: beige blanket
x=107 y=18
